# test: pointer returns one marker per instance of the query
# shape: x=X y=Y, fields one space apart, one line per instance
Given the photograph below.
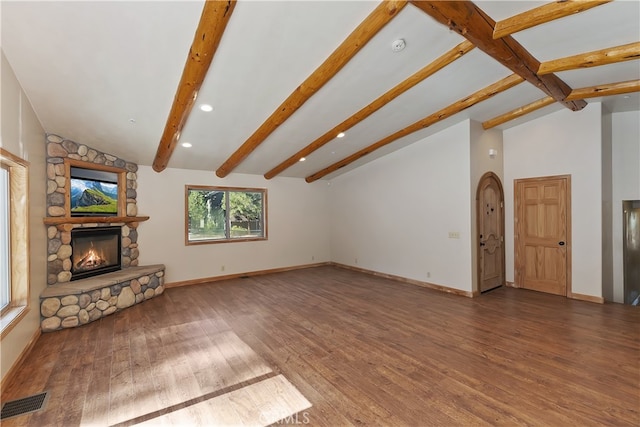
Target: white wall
x=563 y=142
x=607 y=194
x=394 y=214
x=23 y=136
x=481 y=141
x=297 y=225
x=626 y=184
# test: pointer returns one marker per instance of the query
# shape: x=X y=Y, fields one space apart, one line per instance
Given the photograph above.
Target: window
x=222 y=214
x=5 y=241
x=14 y=238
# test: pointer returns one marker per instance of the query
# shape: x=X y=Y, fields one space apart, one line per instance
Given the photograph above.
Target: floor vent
x=23 y=406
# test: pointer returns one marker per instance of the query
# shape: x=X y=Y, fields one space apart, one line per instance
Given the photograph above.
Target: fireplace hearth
x=95 y=251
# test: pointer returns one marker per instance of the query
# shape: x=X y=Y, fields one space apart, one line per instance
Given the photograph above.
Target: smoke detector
x=398 y=45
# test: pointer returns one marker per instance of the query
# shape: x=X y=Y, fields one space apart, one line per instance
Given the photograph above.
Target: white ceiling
x=105 y=74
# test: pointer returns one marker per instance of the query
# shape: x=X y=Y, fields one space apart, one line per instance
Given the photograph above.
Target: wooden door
x=542 y=234
x=490 y=217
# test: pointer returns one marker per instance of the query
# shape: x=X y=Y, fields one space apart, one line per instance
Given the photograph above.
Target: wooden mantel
x=58 y=220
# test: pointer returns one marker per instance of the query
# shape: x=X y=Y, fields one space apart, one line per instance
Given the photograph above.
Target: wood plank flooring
x=331 y=347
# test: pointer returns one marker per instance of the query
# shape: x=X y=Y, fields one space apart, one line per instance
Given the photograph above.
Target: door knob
x=561 y=243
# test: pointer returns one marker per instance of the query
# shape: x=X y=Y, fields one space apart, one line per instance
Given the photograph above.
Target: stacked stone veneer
x=59 y=237
x=78 y=303
x=66 y=304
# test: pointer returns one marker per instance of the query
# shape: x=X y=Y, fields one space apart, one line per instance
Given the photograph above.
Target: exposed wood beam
x=606 y=90
x=213 y=21
x=596 y=58
x=471 y=22
x=456 y=107
x=542 y=14
x=387 y=97
x=582 y=93
x=518 y=112
x=367 y=29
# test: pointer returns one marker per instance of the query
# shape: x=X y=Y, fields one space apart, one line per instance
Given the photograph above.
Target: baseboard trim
x=588 y=298
x=571 y=295
x=20 y=360
x=407 y=280
x=242 y=275
x=321 y=264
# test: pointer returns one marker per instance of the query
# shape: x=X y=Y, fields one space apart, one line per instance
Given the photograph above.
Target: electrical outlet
x=313 y=257
x=356 y=261
x=454 y=234
x=222 y=268
x=428 y=274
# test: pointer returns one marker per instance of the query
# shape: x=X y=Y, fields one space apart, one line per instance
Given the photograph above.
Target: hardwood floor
x=331 y=347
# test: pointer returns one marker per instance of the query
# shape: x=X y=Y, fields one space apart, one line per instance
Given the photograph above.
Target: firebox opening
x=95 y=251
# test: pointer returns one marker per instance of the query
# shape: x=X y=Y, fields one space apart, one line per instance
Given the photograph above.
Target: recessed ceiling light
x=626 y=97
x=186 y=145
x=302 y=159
x=340 y=135
x=132 y=121
x=206 y=107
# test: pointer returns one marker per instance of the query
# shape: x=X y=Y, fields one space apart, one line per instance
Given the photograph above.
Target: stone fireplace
x=92 y=261
x=62 y=154
x=95 y=251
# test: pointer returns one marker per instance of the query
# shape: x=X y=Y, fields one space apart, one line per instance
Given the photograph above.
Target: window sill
x=11 y=318
x=210 y=241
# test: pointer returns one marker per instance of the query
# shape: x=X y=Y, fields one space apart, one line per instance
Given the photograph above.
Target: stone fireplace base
x=71 y=304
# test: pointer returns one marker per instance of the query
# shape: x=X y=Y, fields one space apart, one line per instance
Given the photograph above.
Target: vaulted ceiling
x=285 y=77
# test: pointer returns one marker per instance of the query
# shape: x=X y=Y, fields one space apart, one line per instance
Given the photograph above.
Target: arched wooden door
x=490 y=238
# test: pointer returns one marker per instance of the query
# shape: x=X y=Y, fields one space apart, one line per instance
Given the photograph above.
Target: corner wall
x=607 y=194
x=626 y=184
x=394 y=214
x=563 y=142
x=297 y=221
x=23 y=136
x=481 y=142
